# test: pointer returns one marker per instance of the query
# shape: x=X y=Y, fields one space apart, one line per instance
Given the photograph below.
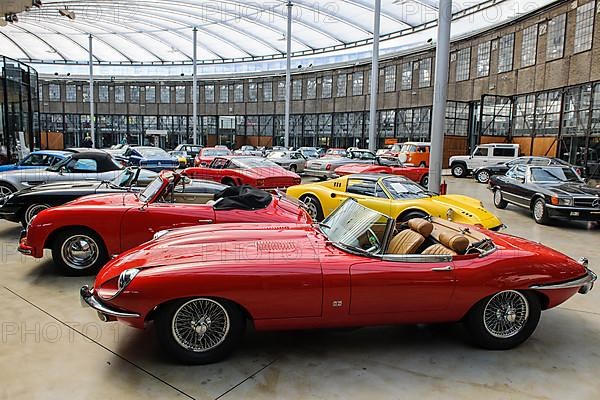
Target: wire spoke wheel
x=505 y=314
x=200 y=325
x=80 y=251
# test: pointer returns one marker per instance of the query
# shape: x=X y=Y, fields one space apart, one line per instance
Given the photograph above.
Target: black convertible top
x=104 y=161
x=243 y=197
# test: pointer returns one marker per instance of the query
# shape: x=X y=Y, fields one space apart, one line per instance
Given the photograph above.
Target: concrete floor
x=51 y=347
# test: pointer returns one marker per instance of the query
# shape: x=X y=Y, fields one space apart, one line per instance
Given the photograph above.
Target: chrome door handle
x=442 y=269
x=205 y=221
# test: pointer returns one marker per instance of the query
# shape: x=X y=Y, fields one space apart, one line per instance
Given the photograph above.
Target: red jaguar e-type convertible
x=387 y=166
x=244 y=170
x=84 y=233
x=356 y=268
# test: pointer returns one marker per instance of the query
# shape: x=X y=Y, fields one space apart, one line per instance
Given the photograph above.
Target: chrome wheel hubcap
x=458 y=170
x=497 y=197
x=506 y=314
x=79 y=251
x=200 y=325
x=311 y=208
x=484 y=177
x=538 y=210
x=34 y=210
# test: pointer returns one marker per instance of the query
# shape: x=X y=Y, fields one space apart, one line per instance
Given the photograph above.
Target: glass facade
x=19 y=109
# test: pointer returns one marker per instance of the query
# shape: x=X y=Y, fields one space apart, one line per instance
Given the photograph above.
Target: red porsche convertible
x=387 y=166
x=356 y=268
x=245 y=170
x=84 y=233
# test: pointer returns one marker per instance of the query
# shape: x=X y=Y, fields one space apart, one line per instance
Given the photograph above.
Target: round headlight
x=126 y=277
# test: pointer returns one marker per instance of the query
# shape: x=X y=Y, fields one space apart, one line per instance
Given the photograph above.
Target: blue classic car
x=37 y=159
x=152 y=158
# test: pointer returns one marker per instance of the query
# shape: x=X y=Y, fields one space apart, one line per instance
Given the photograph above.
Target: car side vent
x=275 y=246
x=275 y=228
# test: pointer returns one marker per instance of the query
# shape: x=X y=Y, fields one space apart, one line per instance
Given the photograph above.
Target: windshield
x=277 y=154
x=401 y=189
x=151 y=190
x=152 y=152
x=253 y=162
x=310 y=152
x=336 y=152
x=124 y=178
x=408 y=148
x=553 y=174
x=215 y=152
x=354 y=226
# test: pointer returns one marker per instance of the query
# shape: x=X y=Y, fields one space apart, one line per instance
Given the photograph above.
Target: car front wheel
x=425 y=181
x=499 y=201
x=459 y=170
x=32 y=211
x=483 y=176
x=201 y=330
x=540 y=212
x=504 y=320
x=78 y=252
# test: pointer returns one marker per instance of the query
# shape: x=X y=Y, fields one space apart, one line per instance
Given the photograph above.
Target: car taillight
x=260 y=182
x=328 y=167
x=297 y=181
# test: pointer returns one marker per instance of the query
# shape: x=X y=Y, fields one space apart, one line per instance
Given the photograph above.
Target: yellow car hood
x=467 y=210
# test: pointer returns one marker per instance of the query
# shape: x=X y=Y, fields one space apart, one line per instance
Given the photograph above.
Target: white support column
x=288 y=76
x=195 y=89
x=374 y=78
x=440 y=95
x=92 y=104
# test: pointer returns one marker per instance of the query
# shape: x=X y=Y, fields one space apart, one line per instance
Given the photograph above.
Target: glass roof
x=159 y=32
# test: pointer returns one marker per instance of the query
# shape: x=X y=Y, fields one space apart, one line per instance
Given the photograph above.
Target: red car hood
x=360 y=168
x=201 y=246
x=269 y=172
x=108 y=199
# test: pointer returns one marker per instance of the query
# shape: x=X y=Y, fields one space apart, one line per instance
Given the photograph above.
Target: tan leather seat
x=409 y=240
x=450 y=243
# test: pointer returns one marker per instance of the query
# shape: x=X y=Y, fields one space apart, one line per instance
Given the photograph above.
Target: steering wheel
x=373 y=241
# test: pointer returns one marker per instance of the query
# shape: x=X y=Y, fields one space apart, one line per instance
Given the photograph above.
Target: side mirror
x=61 y=170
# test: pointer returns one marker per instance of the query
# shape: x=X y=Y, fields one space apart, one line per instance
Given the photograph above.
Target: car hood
x=206 y=246
x=468 y=208
x=268 y=172
x=107 y=199
x=571 y=189
x=354 y=168
x=81 y=185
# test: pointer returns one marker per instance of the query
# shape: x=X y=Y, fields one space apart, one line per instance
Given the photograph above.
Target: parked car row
x=204 y=252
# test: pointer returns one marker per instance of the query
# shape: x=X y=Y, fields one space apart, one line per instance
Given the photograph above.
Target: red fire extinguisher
x=443 y=187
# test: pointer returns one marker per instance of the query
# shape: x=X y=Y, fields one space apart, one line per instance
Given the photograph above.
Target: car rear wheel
x=313 y=207
x=504 y=320
x=425 y=180
x=540 y=212
x=483 y=176
x=499 y=201
x=32 y=211
x=78 y=252
x=200 y=330
x=293 y=168
x=412 y=214
x=7 y=189
x=228 y=182
x=459 y=170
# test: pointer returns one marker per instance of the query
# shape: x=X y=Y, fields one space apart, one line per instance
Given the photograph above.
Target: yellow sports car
x=393 y=195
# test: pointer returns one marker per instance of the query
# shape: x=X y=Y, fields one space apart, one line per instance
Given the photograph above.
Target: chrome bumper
x=585 y=283
x=87 y=296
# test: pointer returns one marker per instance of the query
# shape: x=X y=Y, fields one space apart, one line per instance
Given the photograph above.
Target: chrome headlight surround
x=160 y=234
x=125 y=279
x=565 y=201
x=450 y=214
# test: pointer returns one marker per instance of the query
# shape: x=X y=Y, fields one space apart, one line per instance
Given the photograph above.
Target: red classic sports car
x=245 y=170
x=207 y=154
x=84 y=233
x=387 y=166
x=356 y=268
